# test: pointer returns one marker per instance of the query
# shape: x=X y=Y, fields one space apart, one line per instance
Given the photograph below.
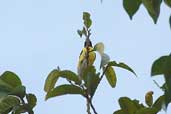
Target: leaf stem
x=101 y=77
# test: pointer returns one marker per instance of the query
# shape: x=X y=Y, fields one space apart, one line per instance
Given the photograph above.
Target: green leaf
x=69 y=75
x=7 y=103
x=119 y=112
x=122 y=65
x=111 y=76
x=86 y=15
x=127 y=105
x=89 y=71
x=137 y=104
x=161 y=66
x=19 y=91
x=153 y=8
x=32 y=100
x=87 y=20
x=55 y=74
x=4 y=91
x=11 y=79
x=51 y=80
x=79 y=33
x=131 y=6
x=19 y=109
x=168 y=3
x=9 y=82
x=147 y=111
x=91 y=79
x=99 y=47
x=64 y=90
x=104 y=60
x=167 y=91
x=159 y=103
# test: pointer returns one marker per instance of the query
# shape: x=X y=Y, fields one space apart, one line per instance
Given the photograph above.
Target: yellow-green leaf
x=51 y=80
x=55 y=74
x=111 y=76
x=127 y=105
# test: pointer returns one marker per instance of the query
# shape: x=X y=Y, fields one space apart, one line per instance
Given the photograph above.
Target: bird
x=86 y=58
x=149 y=98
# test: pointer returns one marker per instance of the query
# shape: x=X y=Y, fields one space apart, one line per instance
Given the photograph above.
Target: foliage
x=152 y=6
x=162 y=66
x=129 y=106
x=12 y=95
x=91 y=79
x=14 y=98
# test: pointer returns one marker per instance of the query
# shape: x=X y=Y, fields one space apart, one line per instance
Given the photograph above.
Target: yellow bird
x=86 y=58
x=149 y=98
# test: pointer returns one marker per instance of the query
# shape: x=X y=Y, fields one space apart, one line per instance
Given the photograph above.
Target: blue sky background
x=38 y=35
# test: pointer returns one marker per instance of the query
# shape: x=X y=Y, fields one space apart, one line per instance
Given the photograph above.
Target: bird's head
x=88 y=43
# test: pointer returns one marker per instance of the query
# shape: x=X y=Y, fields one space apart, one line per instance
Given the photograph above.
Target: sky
x=36 y=36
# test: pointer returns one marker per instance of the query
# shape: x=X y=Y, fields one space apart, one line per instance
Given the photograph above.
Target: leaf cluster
x=152 y=6
x=12 y=95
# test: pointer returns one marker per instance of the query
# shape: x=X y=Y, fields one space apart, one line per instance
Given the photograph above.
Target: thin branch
x=91 y=104
x=88 y=107
x=101 y=77
x=70 y=82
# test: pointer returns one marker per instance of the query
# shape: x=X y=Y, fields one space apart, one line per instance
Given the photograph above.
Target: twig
x=88 y=107
x=91 y=104
x=101 y=77
x=70 y=82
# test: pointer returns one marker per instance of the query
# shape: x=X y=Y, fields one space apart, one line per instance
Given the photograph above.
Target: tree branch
x=91 y=104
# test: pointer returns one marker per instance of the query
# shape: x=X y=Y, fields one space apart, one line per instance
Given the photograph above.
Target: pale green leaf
x=99 y=47
x=104 y=60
